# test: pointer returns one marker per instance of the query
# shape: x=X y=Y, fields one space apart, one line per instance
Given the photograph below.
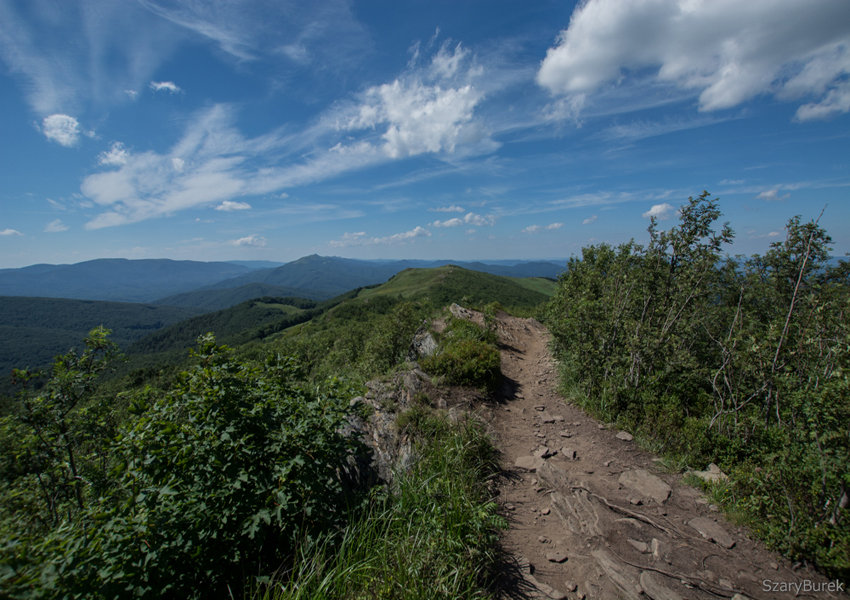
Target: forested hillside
x=742 y=362
x=34 y=330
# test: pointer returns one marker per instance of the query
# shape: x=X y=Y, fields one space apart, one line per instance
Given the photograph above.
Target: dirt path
x=594 y=516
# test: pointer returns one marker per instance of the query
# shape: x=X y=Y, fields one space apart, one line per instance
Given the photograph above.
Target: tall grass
x=432 y=535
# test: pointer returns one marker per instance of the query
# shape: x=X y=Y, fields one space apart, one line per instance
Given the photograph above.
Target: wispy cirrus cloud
x=10 y=232
x=723 y=51
x=55 y=226
x=116 y=47
x=303 y=33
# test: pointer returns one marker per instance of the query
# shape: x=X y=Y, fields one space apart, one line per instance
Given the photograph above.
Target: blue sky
x=272 y=129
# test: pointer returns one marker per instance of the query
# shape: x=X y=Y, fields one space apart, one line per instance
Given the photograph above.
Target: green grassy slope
x=235 y=325
x=219 y=299
x=451 y=283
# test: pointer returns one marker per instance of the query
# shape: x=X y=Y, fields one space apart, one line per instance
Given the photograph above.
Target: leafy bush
x=466 y=355
x=219 y=479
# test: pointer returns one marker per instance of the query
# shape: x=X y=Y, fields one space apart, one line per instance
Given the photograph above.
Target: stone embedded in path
x=712 y=531
x=545 y=452
x=553 y=419
x=556 y=557
x=546 y=590
x=565 y=434
x=529 y=463
x=625 y=436
x=569 y=453
x=646 y=484
x=641 y=547
x=540 y=408
x=652 y=587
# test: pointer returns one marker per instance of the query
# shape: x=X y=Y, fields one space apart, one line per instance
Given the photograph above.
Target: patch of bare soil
x=594 y=516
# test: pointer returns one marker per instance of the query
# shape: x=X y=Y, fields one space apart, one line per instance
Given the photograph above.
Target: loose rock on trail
x=593 y=516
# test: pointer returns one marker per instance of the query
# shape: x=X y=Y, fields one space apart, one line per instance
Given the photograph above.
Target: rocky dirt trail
x=594 y=516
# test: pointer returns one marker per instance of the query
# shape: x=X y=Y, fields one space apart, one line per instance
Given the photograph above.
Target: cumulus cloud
x=165 y=86
x=428 y=110
x=230 y=206
x=479 y=220
x=55 y=226
x=772 y=195
x=468 y=219
x=361 y=239
x=62 y=129
x=116 y=156
x=455 y=222
x=250 y=241
x=449 y=209
x=589 y=220
x=538 y=228
x=9 y=232
x=662 y=212
x=725 y=51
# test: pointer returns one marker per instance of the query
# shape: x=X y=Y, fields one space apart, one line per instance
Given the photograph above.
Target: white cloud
x=361 y=239
x=9 y=232
x=662 y=212
x=55 y=226
x=448 y=209
x=538 y=228
x=230 y=206
x=479 y=220
x=772 y=195
x=116 y=156
x=165 y=86
x=62 y=129
x=251 y=241
x=455 y=222
x=725 y=51
x=836 y=101
x=427 y=110
x=589 y=220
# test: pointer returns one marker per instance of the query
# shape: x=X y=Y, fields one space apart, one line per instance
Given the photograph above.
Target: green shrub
x=217 y=480
x=466 y=362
